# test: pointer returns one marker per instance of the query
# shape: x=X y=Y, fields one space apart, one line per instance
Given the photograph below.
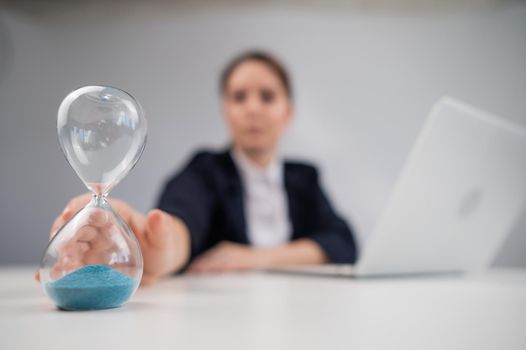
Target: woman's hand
x=164 y=239
x=229 y=256
x=165 y=244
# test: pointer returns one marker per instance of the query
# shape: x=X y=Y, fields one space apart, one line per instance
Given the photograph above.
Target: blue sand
x=91 y=287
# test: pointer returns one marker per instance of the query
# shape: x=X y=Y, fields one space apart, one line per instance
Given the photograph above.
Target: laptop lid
x=459 y=194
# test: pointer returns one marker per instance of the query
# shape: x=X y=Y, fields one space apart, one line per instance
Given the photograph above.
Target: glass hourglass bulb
x=94 y=261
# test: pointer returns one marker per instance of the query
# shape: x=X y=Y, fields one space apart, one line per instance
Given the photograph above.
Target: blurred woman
x=244 y=207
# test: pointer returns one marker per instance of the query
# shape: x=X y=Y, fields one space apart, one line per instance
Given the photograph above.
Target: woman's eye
x=267 y=96
x=239 y=96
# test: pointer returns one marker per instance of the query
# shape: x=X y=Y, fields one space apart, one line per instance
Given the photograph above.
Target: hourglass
x=94 y=261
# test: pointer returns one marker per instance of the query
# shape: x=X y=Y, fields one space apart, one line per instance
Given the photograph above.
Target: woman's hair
x=270 y=61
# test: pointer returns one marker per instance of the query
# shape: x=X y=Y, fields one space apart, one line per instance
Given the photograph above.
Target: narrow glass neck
x=99 y=189
x=99 y=200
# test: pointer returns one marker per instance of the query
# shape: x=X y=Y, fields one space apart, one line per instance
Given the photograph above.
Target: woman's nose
x=254 y=105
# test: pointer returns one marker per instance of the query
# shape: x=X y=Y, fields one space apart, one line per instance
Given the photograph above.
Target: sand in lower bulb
x=91 y=287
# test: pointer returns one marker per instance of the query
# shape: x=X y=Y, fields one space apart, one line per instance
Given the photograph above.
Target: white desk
x=270 y=311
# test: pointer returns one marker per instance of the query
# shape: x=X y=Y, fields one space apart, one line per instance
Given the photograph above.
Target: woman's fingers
x=91 y=240
x=148 y=280
x=159 y=233
x=60 y=221
x=78 y=202
x=73 y=206
x=85 y=238
x=98 y=218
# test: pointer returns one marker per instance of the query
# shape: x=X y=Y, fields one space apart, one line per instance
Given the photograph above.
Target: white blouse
x=265 y=201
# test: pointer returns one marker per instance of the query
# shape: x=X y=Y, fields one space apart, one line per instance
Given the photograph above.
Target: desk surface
x=273 y=311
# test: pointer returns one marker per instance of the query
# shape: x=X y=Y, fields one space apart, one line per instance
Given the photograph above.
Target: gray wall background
x=365 y=73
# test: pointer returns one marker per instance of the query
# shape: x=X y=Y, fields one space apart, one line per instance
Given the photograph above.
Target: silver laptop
x=458 y=196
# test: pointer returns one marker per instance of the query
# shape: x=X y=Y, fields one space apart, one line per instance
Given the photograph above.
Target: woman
x=243 y=208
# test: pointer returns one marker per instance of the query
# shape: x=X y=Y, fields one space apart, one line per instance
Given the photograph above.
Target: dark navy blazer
x=208 y=196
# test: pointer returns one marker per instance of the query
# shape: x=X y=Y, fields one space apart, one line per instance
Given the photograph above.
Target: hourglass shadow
x=127 y=307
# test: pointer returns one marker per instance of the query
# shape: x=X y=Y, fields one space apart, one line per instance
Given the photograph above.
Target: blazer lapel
x=234 y=203
x=293 y=199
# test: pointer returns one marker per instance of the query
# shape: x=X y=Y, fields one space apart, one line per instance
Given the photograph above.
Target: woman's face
x=256 y=107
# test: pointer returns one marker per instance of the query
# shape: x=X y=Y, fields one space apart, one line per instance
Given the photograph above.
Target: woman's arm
x=301 y=251
x=229 y=256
